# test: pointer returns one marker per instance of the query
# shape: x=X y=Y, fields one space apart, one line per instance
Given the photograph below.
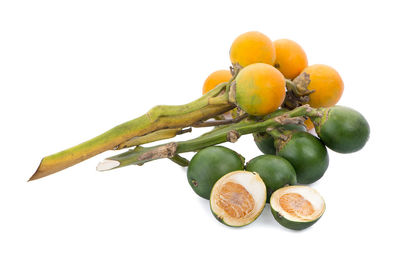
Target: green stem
x=152 y=137
x=275 y=133
x=159 y=117
x=219 y=135
x=181 y=161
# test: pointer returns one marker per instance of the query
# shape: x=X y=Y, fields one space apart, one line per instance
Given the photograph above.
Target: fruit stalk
x=214 y=103
x=181 y=161
x=227 y=133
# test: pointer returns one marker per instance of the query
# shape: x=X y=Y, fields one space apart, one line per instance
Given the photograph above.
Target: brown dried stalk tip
x=297 y=91
x=301 y=83
x=284 y=120
x=165 y=151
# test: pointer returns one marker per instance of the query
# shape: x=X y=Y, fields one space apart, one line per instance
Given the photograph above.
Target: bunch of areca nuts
x=271 y=92
x=293 y=156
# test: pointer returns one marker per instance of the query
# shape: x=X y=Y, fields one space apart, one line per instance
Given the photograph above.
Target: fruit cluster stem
x=226 y=133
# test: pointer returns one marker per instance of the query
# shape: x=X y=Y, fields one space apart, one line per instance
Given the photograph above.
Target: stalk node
x=285 y=119
x=232 y=136
x=164 y=151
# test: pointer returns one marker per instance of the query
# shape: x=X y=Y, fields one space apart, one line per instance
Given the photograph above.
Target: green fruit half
x=297 y=207
x=342 y=129
x=275 y=171
x=209 y=165
x=238 y=198
x=265 y=142
x=306 y=153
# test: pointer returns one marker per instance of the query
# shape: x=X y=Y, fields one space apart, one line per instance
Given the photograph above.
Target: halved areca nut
x=297 y=207
x=238 y=198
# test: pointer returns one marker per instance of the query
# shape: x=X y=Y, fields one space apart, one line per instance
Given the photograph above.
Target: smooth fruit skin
x=275 y=171
x=327 y=83
x=290 y=58
x=260 y=89
x=252 y=47
x=307 y=154
x=294 y=225
x=343 y=129
x=216 y=78
x=265 y=142
x=209 y=165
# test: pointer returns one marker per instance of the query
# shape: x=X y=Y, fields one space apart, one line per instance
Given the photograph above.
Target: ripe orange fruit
x=252 y=47
x=216 y=78
x=260 y=89
x=327 y=83
x=290 y=58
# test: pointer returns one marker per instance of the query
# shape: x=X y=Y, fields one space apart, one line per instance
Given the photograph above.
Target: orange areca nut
x=260 y=89
x=290 y=58
x=216 y=78
x=327 y=83
x=252 y=47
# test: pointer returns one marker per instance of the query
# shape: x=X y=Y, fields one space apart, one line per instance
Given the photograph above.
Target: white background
x=70 y=70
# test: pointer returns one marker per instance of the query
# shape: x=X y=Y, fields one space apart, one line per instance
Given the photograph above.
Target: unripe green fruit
x=306 y=153
x=209 y=165
x=297 y=207
x=342 y=129
x=275 y=171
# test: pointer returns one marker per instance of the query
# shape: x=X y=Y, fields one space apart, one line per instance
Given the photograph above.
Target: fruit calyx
x=297 y=93
x=319 y=119
x=281 y=137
